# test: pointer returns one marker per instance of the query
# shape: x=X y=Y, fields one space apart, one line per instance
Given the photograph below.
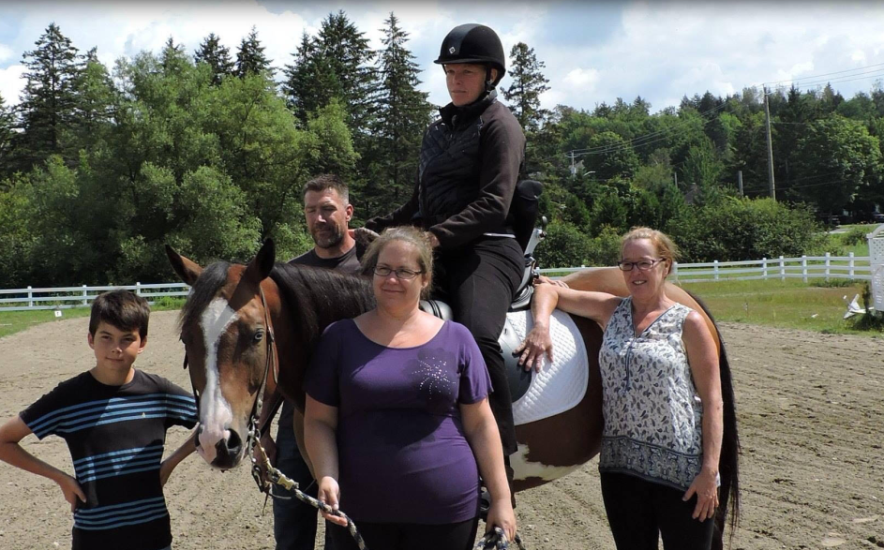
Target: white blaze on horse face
x=215 y=412
x=525 y=469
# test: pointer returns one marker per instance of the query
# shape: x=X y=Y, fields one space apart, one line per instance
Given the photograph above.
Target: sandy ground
x=811 y=421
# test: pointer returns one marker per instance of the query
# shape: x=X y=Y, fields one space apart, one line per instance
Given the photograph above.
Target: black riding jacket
x=470 y=162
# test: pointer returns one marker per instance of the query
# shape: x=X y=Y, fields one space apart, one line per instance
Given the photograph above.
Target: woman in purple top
x=398 y=424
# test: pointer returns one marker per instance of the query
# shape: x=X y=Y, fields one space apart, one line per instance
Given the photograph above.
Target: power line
x=814 y=77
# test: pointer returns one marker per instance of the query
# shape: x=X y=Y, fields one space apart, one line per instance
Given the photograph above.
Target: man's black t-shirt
x=116 y=436
x=348 y=262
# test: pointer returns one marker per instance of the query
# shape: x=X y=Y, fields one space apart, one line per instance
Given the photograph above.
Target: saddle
x=528 y=235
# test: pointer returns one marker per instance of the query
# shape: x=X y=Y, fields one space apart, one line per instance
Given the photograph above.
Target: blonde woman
x=662 y=400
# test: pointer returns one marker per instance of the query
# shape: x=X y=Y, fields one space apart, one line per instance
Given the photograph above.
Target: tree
x=528 y=83
x=96 y=102
x=403 y=114
x=250 y=58
x=7 y=134
x=310 y=83
x=216 y=56
x=49 y=100
x=836 y=156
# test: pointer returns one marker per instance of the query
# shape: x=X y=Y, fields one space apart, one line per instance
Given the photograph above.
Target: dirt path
x=811 y=411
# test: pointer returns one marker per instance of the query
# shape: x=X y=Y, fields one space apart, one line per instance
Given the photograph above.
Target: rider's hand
x=537 y=344
x=71 y=490
x=329 y=493
x=434 y=240
x=501 y=515
x=543 y=280
x=362 y=235
x=705 y=486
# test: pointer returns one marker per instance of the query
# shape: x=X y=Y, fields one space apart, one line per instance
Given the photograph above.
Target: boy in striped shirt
x=114 y=420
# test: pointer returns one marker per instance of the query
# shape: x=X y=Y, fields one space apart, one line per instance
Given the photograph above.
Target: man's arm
x=11 y=433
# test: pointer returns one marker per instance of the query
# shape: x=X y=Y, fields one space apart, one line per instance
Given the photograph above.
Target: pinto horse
x=237 y=317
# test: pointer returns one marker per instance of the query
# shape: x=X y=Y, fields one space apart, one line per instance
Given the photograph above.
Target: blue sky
x=593 y=52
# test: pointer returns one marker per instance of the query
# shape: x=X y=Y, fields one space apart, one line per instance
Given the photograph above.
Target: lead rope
x=288 y=483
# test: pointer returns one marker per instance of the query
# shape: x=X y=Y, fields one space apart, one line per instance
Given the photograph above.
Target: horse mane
x=203 y=291
x=728 y=463
x=318 y=297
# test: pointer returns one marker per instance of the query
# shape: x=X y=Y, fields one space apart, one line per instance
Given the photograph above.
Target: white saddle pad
x=558 y=386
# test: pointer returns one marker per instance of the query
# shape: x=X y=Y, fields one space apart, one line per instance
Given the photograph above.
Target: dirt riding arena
x=811 y=410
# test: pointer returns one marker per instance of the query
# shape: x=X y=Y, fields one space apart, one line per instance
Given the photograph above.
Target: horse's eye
x=258 y=336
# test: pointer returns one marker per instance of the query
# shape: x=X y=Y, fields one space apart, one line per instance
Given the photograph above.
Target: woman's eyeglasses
x=401 y=273
x=643 y=265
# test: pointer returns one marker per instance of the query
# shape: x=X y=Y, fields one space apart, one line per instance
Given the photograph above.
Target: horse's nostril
x=234 y=443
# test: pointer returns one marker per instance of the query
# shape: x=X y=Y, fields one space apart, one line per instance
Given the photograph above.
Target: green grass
x=17 y=321
x=783 y=304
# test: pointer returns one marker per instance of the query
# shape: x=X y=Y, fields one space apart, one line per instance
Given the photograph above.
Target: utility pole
x=740 y=181
x=675 y=178
x=770 y=177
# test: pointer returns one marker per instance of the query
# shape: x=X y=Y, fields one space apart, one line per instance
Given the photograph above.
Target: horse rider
x=470 y=162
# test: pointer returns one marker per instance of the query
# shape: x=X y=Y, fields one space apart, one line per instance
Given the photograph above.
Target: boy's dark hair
x=122 y=309
x=328 y=181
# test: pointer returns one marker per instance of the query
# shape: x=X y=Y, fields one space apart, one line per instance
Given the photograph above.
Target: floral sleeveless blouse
x=653 y=414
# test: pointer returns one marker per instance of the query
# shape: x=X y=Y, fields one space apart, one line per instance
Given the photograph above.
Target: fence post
x=30 y=297
x=675 y=271
x=828 y=263
x=782 y=269
x=85 y=296
x=804 y=268
x=850 y=265
x=764 y=268
x=137 y=288
x=715 y=269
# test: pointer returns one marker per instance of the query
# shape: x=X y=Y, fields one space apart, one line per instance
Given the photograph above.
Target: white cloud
x=5 y=53
x=582 y=79
x=11 y=83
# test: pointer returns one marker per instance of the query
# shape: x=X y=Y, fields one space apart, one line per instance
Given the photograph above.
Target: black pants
x=640 y=511
x=479 y=283
x=407 y=536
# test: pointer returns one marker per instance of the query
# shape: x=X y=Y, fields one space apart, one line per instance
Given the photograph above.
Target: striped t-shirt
x=116 y=435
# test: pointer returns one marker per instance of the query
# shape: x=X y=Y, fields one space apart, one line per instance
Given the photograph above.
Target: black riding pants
x=478 y=283
x=640 y=512
x=407 y=536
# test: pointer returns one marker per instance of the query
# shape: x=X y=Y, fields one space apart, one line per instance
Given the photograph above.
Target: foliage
x=855 y=236
x=216 y=56
x=250 y=58
x=528 y=83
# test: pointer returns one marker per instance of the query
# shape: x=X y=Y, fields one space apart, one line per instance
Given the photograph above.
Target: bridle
x=271 y=364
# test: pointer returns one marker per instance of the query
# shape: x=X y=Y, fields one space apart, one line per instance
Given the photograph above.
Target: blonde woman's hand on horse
x=537 y=344
x=501 y=515
x=330 y=493
x=543 y=280
x=705 y=486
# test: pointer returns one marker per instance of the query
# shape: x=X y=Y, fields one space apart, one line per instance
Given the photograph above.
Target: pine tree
x=250 y=58
x=334 y=64
x=216 y=56
x=528 y=83
x=7 y=133
x=96 y=100
x=49 y=99
x=402 y=116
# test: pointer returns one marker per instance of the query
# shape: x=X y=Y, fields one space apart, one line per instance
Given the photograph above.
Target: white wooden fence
x=805 y=268
x=78 y=296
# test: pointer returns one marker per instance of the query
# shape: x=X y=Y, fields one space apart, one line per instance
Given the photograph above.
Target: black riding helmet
x=473 y=43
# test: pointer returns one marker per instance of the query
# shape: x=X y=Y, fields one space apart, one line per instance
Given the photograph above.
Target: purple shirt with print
x=403 y=455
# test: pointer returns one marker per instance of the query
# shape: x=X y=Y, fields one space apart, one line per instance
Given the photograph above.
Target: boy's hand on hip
x=72 y=491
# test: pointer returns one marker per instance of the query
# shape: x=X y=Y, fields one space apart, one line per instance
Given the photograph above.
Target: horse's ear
x=260 y=267
x=188 y=270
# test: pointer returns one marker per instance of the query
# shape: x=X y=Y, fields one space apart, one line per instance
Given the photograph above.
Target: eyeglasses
x=643 y=265
x=401 y=273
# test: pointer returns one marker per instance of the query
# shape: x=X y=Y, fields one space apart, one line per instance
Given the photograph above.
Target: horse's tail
x=728 y=464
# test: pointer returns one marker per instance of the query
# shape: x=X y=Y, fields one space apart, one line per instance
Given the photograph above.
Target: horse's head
x=227 y=336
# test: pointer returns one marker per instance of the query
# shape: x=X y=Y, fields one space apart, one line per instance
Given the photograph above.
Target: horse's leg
x=555 y=446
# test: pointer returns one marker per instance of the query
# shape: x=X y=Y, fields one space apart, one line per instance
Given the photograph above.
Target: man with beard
x=328 y=211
